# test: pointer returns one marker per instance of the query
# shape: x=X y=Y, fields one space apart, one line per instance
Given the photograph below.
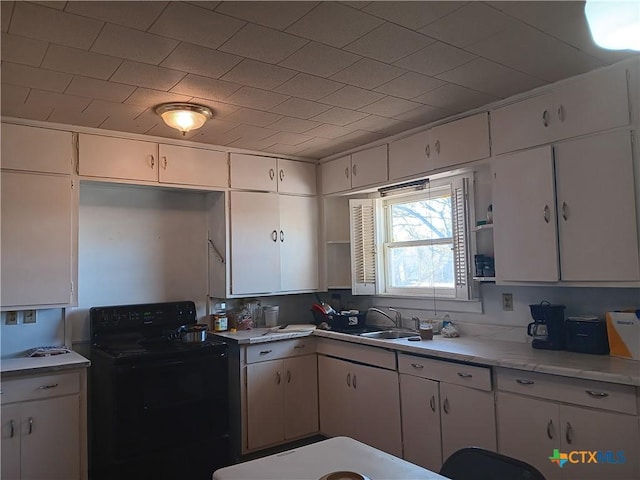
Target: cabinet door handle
x=524 y=382
x=272 y=174
x=265 y=352
x=12 y=425
x=354 y=169
x=281 y=175
x=46 y=387
x=354 y=381
x=300 y=346
x=164 y=162
x=281 y=236
x=561 y=113
x=348 y=379
x=438 y=147
x=288 y=376
x=153 y=161
x=432 y=403
x=274 y=235
x=545 y=118
x=30 y=425
x=427 y=150
x=464 y=375
x=593 y=393
x=546 y=213
x=569 y=433
x=417 y=365
x=564 y=211
x=550 y=429
x=278 y=378
x=445 y=406
x=346 y=172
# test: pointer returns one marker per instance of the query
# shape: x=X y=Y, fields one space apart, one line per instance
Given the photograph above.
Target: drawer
x=375 y=356
x=45 y=386
x=449 y=372
x=589 y=393
x=280 y=349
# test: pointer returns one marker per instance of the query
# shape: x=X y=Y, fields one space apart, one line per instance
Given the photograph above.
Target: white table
x=314 y=461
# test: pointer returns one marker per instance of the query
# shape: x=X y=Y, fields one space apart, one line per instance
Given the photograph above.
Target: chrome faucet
x=397 y=321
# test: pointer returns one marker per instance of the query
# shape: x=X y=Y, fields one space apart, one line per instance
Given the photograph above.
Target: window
x=413 y=244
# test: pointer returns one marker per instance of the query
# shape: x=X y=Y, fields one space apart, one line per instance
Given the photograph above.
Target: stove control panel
x=136 y=317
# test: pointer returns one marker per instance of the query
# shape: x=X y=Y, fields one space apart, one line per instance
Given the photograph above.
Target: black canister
x=587 y=335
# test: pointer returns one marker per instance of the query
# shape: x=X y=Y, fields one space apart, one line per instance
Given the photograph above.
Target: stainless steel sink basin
x=389 y=334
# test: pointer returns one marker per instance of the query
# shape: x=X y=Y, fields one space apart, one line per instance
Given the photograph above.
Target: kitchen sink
x=389 y=334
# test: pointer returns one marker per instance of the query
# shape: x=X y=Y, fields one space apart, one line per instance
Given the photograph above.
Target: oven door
x=169 y=402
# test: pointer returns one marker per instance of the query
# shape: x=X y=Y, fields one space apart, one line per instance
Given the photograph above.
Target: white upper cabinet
x=592 y=104
x=452 y=143
x=120 y=158
x=357 y=170
x=36 y=149
x=254 y=172
x=193 y=166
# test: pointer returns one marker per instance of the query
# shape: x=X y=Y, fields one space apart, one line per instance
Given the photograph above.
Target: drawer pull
x=288 y=376
x=464 y=375
x=278 y=378
x=354 y=381
x=597 y=394
x=46 y=387
x=417 y=365
x=265 y=352
x=30 y=425
x=13 y=428
x=524 y=382
x=445 y=406
x=300 y=346
x=272 y=174
x=545 y=118
x=348 y=379
x=432 y=403
x=569 y=433
x=550 y=429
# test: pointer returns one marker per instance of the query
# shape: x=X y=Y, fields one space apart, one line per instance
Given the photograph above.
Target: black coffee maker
x=548 y=328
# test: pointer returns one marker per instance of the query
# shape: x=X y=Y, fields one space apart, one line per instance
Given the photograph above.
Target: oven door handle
x=154 y=365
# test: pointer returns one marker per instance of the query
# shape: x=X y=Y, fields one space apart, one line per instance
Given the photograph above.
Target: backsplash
x=47 y=330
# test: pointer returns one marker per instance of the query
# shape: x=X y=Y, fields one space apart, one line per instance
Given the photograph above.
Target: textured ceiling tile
x=133 y=44
x=262 y=44
x=361 y=137
x=5 y=14
x=148 y=76
x=339 y=116
x=359 y=5
x=329 y=131
x=367 y=73
x=220 y=109
x=22 y=110
x=58 y=100
x=53 y=25
x=334 y=24
x=200 y=60
x=150 y=98
x=409 y=85
x=436 y=58
x=280 y=149
x=389 y=43
x=352 y=97
x=423 y=114
x=309 y=87
x=53 y=4
x=278 y=15
x=412 y=14
x=140 y=124
x=289 y=138
x=296 y=107
x=25 y=76
x=469 y=24
x=217 y=127
x=101 y=89
x=113 y=109
x=294 y=125
x=161 y=129
x=490 y=77
x=455 y=98
x=195 y=25
x=258 y=74
x=390 y=107
x=138 y=15
x=374 y=123
x=80 y=62
x=254 y=133
x=73 y=117
x=256 y=98
x=257 y=118
x=203 y=87
x=14 y=94
x=330 y=147
x=205 y=4
x=251 y=144
x=321 y=60
x=27 y=51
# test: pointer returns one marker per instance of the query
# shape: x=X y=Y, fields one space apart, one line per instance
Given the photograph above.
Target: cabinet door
x=468 y=419
x=461 y=141
x=301 y=396
x=36 y=239
x=335 y=397
x=525 y=235
x=265 y=403
x=36 y=149
x=613 y=435
x=336 y=175
x=51 y=439
x=529 y=430
x=10 y=451
x=255 y=244
x=253 y=172
x=408 y=156
x=298 y=239
x=110 y=157
x=369 y=167
x=420 y=402
x=524 y=124
x=296 y=177
x=596 y=209
x=377 y=423
x=193 y=166
x=596 y=103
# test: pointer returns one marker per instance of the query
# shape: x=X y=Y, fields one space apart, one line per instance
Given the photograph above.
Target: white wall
x=47 y=331
x=138 y=245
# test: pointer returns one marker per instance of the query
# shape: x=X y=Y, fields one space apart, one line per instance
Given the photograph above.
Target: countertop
x=479 y=351
x=315 y=461
x=25 y=365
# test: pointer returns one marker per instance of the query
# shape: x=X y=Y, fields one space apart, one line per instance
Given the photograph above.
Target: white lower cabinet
x=445 y=407
x=43 y=428
x=361 y=402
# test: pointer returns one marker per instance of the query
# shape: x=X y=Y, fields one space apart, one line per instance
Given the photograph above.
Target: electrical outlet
x=12 y=318
x=507 y=301
x=29 y=316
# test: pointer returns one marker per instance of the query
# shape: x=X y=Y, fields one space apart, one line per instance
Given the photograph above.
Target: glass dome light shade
x=184 y=116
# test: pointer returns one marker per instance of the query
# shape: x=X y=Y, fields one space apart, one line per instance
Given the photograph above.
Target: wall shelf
x=485 y=279
x=479 y=228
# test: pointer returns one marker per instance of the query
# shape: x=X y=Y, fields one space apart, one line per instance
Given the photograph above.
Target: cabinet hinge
x=75 y=152
x=73 y=184
x=633 y=138
x=71 y=288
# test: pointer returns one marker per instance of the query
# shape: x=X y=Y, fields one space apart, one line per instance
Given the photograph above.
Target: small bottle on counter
x=220 y=322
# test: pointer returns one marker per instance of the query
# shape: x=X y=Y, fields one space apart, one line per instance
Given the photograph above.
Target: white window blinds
x=363 y=246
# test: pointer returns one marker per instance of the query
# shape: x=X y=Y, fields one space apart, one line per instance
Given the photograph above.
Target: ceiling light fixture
x=614 y=25
x=184 y=116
